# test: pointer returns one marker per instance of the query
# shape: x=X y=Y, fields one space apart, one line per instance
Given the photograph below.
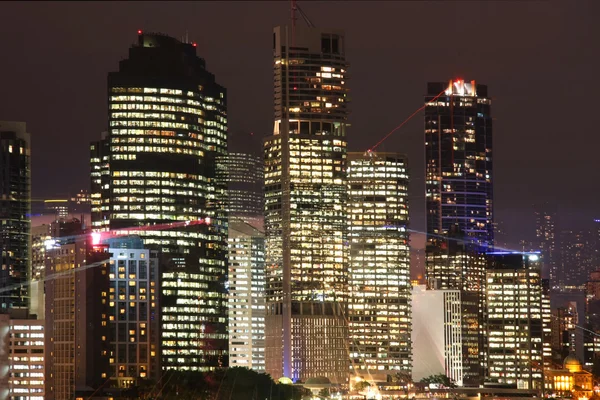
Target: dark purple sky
x=539 y=59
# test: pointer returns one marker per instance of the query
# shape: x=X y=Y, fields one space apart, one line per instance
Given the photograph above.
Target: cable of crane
x=406 y=120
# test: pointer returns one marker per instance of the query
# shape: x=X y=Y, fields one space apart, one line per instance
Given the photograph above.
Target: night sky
x=539 y=59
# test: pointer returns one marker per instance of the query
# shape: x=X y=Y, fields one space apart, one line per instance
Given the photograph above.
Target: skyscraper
x=515 y=332
x=15 y=226
x=246 y=296
x=244 y=174
x=76 y=340
x=545 y=232
x=134 y=329
x=379 y=265
x=577 y=256
x=156 y=167
x=437 y=334
x=458 y=160
x=305 y=219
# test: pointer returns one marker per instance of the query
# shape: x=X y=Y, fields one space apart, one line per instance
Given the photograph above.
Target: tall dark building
x=545 y=232
x=458 y=157
x=154 y=175
x=577 y=256
x=15 y=225
x=460 y=226
x=305 y=218
x=244 y=174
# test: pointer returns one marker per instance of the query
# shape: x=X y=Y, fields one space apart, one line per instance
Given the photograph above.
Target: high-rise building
x=547 y=323
x=154 y=175
x=40 y=239
x=379 y=265
x=246 y=296
x=21 y=357
x=514 y=319
x=305 y=217
x=457 y=264
x=577 y=256
x=564 y=333
x=76 y=340
x=244 y=174
x=545 y=232
x=15 y=225
x=134 y=335
x=592 y=320
x=458 y=160
x=437 y=334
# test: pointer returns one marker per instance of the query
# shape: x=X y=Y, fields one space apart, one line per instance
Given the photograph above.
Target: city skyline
x=346 y=256
x=533 y=55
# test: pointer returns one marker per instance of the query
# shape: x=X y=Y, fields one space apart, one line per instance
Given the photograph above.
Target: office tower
x=15 y=191
x=21 y=357
x=592 y=320
x=80 y=203
x=60 y=207
x=545 y=232
x=458 y=160
x=577 y=255
x=133 y=312
x=154 y=175
x=40 y=239
x=547 y=323
x=305 y=219
x=379 y=265
x=246 y=296
x=244 y=175
x=76 y=340
x=459 y=265
x=437 y=335
x=564 y=340
x=514 y=319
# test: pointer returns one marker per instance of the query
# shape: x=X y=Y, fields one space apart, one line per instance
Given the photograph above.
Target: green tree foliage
x=225 y=384
x=362 y=385
x=439 y=379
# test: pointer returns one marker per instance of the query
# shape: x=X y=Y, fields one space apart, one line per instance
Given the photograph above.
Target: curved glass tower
x=154 y=175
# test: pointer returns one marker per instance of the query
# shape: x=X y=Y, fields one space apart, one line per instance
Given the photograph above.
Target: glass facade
x=15 y=206
x=244 y=174
x=305 y=218
x=458 y=160
x=156 y=166
x=379 y=265
x=246 y=296
x=515 y=320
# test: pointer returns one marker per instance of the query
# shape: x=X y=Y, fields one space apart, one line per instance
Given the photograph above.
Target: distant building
x=77 y=334
x=379 y=265
x=577 y=256
x=305 y=217
x=246 y=296
x=15 y=225
x=244 y=174
x=514 y=320
x=22 y=369
x=437 y=346
x=545 y=232
x=60 y=207
x=547 y=323
x=40 y=239
x=592 y=320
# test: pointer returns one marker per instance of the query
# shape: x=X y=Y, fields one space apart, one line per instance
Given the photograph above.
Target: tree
x=362 y=385
x=439 y=379
x=324 y=392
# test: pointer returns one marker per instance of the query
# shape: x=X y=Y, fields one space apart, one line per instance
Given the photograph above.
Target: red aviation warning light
x=139 y=32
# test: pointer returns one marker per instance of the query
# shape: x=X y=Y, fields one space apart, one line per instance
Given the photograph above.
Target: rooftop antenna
x=187 y=37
